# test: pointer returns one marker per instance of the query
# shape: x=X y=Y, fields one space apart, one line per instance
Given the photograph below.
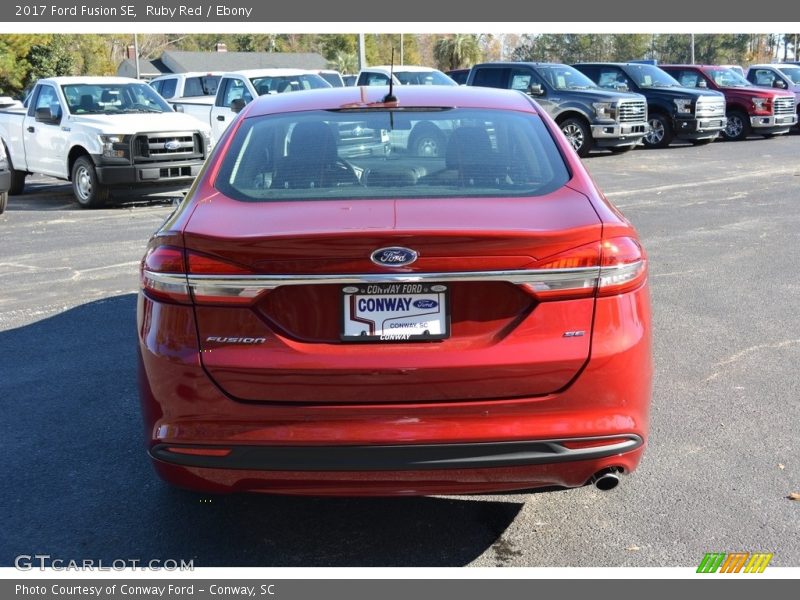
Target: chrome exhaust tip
x=606 y=480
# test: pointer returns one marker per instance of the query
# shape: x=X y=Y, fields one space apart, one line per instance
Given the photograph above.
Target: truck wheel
x=17 y=178
x=88 y=191
x=660 y=134
x=577 y=135
x=426 y=140
x=738 y=127
x=3 y=202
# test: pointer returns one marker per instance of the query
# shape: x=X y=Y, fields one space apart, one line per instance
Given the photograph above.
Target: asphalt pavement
x=720 y=224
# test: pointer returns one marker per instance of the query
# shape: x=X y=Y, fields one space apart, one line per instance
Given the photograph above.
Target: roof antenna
x=390 y=97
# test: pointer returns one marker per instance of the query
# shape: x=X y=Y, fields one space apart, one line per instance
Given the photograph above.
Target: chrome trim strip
x=273 y=281
x=252 y=285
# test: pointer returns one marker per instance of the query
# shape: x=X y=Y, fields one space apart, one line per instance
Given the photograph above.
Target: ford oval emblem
x=394 y=256
x=172 y=145
x=425 y=303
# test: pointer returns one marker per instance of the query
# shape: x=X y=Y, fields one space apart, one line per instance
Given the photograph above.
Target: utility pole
x=692 y=48
x=401 y=49
x=362 y=54
x=136 y=53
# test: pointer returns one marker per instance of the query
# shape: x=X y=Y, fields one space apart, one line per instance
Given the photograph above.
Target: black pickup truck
x=673 y=111
x=588 y=115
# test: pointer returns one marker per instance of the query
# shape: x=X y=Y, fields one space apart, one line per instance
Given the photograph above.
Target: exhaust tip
x=606 y=480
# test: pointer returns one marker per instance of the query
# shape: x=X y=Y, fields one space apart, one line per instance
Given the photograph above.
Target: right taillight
x=605 y=268
x=623 y=266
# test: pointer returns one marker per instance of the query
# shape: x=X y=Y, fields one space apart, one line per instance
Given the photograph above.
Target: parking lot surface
x=720 y=224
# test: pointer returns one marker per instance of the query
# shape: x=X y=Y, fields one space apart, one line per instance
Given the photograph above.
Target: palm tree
x=345 y=62
x=456 y=51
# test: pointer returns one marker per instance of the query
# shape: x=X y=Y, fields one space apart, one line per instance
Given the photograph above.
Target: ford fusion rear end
x=312 y=321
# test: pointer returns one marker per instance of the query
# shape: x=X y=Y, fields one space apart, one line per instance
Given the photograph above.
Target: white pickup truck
x=238 y=88
x=101 y=133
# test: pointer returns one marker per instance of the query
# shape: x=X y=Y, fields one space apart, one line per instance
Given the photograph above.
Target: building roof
x=179 y=61
x=147 y=68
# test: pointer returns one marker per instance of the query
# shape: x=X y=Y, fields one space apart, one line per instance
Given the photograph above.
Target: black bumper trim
x=145 y=173
x=5 y=181
x=416 y=457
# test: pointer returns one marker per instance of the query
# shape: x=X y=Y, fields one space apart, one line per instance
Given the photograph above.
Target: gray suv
x=590 y=116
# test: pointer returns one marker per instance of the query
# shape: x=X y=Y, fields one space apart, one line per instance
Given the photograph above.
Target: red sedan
x=330 y=313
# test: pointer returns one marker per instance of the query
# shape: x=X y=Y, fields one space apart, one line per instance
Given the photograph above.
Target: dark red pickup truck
x=750 y=109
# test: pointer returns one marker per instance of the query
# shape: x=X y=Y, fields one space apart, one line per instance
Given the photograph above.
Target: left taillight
x=163 y=275
x=166 y=270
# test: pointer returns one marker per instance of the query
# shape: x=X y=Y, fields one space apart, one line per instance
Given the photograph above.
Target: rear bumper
x=394 y=449
x=401 y=457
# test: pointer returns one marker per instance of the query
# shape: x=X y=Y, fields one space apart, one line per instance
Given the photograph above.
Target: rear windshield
x=436 y=153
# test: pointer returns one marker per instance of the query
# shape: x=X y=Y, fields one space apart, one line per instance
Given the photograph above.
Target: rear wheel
x=660 y=134
x=3 y=202
x=88 y=191
x=17 y=179
x=738 y=127
x=577 y=134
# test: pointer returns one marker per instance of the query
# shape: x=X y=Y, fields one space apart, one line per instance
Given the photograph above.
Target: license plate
x=395 y=312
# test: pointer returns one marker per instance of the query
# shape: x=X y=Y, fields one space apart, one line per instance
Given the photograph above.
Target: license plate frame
x=435 y=295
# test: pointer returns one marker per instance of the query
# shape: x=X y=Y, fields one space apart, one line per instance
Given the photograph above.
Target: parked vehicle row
x=239 y=88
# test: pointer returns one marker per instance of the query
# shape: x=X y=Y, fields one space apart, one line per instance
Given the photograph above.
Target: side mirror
x=535 y=89
x=701 y=83
x=621 y=87
x=237 y=105
x=178 y=108
x=43 y=115
x=779 y=83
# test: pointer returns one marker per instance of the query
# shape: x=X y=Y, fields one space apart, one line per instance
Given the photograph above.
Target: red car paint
x=255 y=391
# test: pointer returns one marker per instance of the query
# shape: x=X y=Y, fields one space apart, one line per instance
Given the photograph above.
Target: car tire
x=86 y=188
x=17 y=178
x=578 y=136
x=660 y=134
x=738 y=127
x=3 y=202
x=426 y=140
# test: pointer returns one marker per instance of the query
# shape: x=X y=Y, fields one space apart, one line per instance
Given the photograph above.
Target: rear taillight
x=604 y=268
x=623 y=266
x=164 y=277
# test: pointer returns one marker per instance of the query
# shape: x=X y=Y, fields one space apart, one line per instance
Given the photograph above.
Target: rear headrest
x=467 y=146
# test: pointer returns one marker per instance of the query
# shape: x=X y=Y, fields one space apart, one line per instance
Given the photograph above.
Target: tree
x=345 y=62
x=457 y=51
x=52 y=59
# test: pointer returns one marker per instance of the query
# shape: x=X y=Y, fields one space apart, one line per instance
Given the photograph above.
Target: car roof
x=400 y=68
x=89 y=80
x=422 y=96
x=271 y=72
x=521 y=62
x=189 y=74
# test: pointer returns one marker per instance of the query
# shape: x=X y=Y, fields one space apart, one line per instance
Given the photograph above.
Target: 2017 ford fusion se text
x=314 y=319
